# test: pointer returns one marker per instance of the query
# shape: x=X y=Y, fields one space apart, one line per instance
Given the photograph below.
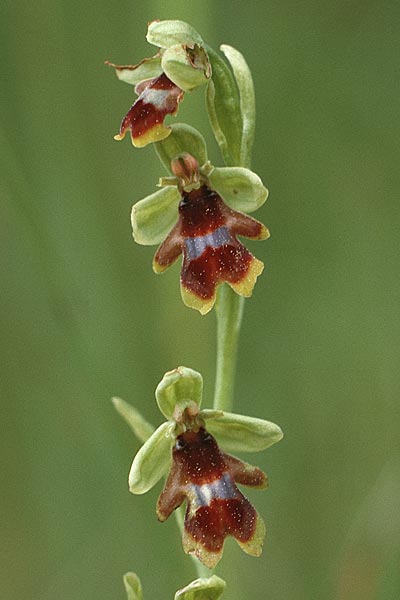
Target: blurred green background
x=84 y=318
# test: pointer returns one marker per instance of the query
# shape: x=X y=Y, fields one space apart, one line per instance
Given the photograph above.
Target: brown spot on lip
x=198 y=455
x=236 y=517
x=227 y=263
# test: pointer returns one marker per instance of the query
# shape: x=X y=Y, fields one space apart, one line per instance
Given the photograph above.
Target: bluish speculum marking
x=219 y=489
x=195 y=246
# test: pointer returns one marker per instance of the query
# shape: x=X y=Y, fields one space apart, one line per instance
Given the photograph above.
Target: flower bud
x=133 y=587
x=186 y=65
x=202 y=589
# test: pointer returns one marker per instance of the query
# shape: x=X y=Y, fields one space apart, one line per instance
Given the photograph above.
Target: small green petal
x=153 y=217
x=133 y=586
x=170 y=33
x=140 y=427
x=242 y=433
x=183 y=139
x=179 y=388
x=133 y=74
x=245 y=84
x=202 y=589
x=153 y=459
x=240 y=188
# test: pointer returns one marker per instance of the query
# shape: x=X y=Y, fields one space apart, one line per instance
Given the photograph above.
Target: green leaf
x=140 y=427
x=223 y=105
x=240 y=188
x=148 y=68
x=153 y=217
x=170 y=33
x=153 y=459
x=202 y=589
x=242 y=433
x=245 y=84
x=178 y=388
x=183 y=138
x=133 y=586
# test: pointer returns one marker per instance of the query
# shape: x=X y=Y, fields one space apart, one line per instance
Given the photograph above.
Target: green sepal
x=202 y=589
x=148 y=68
x=172 y=32
x=153 y=217
x=153 y=459
x=245 y=85
x=178 y=389
x=188 y=68
x=240 y=188
x=223 y=105
x=133 y=586
x=241 y=433
x=183 y=138
x=140 y=427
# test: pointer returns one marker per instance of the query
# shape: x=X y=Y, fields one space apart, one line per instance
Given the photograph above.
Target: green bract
x=180 y=390
x=202 y=589
x=223 y=105
x=247 y=103
x=133 y=586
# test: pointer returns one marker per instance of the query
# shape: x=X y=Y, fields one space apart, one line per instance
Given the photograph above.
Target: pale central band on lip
x=219 y=489
x=195 y=246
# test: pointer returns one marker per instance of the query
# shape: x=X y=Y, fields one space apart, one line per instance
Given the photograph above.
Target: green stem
x=229 y=309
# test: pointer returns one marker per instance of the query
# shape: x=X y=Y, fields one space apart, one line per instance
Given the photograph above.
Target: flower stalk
x=197 y=213
x=229 y=311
